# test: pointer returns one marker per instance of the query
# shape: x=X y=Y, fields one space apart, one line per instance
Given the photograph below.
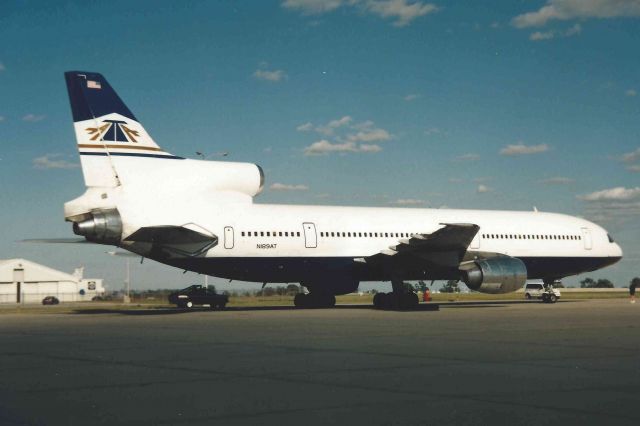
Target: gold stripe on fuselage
x=136 y=147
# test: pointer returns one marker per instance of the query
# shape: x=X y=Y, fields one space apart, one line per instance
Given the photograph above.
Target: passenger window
x=280 y=234
x=298 y=233
x=268 y=234
x=262 y=233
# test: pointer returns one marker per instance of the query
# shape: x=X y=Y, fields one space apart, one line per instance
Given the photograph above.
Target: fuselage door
x=475 y=243
x=228 y=237
x=586 y=238
x=310 y=237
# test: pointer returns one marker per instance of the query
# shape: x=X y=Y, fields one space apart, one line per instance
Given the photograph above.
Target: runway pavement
x=476 y=363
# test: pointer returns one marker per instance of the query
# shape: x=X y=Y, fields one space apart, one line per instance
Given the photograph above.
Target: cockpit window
x=610 y=238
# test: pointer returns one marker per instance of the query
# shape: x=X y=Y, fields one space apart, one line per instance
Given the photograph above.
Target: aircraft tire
x=376 y=300
x=300 y=300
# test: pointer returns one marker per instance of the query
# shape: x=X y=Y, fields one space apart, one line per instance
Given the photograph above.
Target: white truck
x=546 y=293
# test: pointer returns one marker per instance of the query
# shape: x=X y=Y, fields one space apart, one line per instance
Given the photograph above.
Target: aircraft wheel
x=412 y=301
x=331 y=301
x=300 y=300
x=376 y=300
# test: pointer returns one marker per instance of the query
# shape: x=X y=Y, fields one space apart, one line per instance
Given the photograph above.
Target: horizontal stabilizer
x=56 y=241
x=174 y=240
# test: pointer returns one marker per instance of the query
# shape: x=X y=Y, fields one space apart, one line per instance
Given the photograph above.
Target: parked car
x=547 y=294
x=198 y=295
x=50 y=300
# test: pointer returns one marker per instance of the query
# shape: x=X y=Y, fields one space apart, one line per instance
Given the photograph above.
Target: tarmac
x=574 y=362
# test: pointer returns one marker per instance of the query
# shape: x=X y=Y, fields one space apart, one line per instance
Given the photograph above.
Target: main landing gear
x=399 y=299
x=314 y=300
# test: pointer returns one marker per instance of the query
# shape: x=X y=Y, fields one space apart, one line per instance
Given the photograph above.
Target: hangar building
x=23 y=281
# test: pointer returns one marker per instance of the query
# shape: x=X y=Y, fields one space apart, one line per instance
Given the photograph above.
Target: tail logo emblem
x=113 y=131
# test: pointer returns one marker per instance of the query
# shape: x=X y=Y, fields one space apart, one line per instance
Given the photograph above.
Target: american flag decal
x=93 y=84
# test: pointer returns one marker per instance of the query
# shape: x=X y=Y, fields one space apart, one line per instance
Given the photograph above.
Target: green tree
x=587 y=283
x=604 y=283
x=211 y=288
x=421 y=286
x=450 y=287
x=293 y=289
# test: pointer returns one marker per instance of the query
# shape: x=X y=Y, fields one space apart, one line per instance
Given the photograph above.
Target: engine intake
x=101 y=226
x=496 y=275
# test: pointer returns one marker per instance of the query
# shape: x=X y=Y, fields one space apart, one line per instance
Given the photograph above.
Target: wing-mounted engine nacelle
x=102 y=226
x=495 y=275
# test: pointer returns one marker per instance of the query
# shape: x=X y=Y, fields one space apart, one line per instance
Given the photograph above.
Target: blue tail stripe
x=91 y=96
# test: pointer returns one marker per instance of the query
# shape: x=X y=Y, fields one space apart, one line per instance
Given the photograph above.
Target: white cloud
x=2 y=118
x=558 y=180
x=538 y=36
x=313 y=7
x=370 y=135
x=483 y=179
x=403 y=12
x=2 y=67
x=577 y=9
x=52 y=161
x=522 y=149
x=631 y=92
x=371 y=148
x=575 y=30
x=324 y=147
x=332 y=125
x=634 y=168
x=467 y=157
x=613 y=194
x=407 y=202
x=306 y=127
x=432 y=131
x=32 y=118
x=631 y=157
x=362 y=139
x=272 y=76
x=411 y=97
x=287 y=187
x=484 y=189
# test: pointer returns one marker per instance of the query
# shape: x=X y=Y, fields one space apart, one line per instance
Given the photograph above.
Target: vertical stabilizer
x=106 y=130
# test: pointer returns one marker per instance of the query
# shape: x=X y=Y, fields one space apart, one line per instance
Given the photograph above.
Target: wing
x=444 y=248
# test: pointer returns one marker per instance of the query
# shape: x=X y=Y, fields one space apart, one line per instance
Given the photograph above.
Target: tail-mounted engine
x=100 y=226
x=495 y=275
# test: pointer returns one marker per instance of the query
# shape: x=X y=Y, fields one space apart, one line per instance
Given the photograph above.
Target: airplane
x=200 y=216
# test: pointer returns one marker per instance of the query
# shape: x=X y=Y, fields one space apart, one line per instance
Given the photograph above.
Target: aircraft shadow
x=423 y=307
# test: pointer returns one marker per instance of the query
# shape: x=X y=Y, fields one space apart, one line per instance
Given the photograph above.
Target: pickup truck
x=198 y=295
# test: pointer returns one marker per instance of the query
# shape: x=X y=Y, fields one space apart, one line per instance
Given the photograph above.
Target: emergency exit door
x=586 y=238
x=310 y=237
x=228 y=237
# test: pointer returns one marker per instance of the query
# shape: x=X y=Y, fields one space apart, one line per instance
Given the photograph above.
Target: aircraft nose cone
x=616 y=251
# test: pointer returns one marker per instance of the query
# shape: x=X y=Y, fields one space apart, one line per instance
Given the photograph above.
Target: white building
x=23 y=281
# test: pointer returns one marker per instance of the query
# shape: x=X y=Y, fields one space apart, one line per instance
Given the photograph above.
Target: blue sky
x=504 y=105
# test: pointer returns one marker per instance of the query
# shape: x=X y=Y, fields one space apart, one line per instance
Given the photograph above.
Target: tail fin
x=107 y=132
